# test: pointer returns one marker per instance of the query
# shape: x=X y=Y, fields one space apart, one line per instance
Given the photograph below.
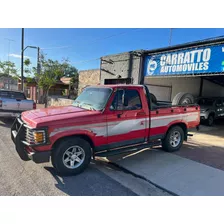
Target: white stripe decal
x=122 y=127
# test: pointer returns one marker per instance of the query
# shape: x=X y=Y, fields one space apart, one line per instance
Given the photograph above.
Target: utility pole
x=38 y=72
x=9 y=51
x=171 y=30
x=22 y=57
x=38 y=60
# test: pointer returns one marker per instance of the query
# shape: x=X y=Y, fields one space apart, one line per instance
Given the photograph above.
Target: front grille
x=29 y=138
x=28 y=135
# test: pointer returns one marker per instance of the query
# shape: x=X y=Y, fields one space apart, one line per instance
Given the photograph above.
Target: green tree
x=27 y=68
x=51 y=71
x=8 y=68
x=72 y=73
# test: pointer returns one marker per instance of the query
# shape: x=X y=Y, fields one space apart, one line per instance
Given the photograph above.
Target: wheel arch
x=83 y=136
x=182 y=125
x=212 y=113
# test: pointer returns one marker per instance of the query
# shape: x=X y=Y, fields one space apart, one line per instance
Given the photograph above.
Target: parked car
x=12 y=103
x=211 y=108
x=104 y=120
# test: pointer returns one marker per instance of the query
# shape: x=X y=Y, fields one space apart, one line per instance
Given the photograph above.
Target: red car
x=103 y=120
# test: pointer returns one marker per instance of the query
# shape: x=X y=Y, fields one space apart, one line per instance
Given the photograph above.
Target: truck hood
x=48 y=116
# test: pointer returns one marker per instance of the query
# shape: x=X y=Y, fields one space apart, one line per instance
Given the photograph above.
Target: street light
x=29 y=47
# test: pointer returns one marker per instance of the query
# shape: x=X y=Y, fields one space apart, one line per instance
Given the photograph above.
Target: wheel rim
x=186 y=101
x=175 y=139
x=73 y=157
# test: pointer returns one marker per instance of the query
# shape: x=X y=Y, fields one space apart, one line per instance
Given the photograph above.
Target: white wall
x=212 y=89
x=187 y=84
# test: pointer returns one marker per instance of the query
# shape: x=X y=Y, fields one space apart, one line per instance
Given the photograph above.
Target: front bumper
x=204 y=116
x=18 y=137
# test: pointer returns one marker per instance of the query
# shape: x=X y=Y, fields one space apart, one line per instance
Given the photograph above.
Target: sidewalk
x=178 y=175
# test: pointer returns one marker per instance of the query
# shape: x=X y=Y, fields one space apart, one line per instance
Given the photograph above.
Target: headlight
x=35 y=136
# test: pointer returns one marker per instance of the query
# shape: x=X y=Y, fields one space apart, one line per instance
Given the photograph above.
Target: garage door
x=161 y=92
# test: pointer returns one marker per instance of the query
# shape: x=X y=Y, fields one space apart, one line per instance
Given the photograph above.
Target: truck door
x=127 y=121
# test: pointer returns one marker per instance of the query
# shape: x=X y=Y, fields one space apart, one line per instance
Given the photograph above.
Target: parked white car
x=211 y=108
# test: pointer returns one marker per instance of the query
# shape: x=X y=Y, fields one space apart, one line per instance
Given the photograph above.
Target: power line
x=84 y=61
x=52 y=48
x=98 y=39
x=91 y=42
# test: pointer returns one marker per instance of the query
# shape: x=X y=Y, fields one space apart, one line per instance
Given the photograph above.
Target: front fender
x=56 y=135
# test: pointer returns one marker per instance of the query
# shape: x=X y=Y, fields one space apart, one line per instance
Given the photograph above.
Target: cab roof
x=115 y=86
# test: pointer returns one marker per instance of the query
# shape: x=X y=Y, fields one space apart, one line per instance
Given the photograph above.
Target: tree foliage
x=8 y=68
x=51 y=72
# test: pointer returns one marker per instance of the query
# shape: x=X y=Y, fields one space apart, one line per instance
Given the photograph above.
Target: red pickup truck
x=102 y=121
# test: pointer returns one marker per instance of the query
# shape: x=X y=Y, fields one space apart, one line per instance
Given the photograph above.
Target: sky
x=83 y=47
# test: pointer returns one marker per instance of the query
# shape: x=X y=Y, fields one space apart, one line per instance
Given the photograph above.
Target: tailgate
x=14 y=101
x=16 y=104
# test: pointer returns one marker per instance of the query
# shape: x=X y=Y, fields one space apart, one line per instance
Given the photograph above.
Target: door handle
x=119 y=115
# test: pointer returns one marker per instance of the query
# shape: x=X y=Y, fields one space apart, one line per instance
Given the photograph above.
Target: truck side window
x=126 y=100
x=132 y=100
x=117 y=101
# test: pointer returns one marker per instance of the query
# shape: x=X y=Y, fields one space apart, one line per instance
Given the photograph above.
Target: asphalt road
x=27 y=178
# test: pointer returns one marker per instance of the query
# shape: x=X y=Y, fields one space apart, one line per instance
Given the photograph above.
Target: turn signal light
x=39 y=137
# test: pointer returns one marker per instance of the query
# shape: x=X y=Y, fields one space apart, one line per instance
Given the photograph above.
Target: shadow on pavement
x=207 y=154
x=6 y=122
x=91 y=182
x=217 y=129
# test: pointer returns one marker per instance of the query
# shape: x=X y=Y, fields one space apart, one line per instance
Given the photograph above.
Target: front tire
x=72 y=156
x=173 y=140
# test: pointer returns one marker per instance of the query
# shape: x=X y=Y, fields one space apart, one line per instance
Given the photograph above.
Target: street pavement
x=27 y=178
x=178 y=175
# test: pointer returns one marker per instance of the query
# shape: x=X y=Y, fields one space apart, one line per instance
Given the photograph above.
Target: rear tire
x=173 y=140
x=72 y=156
x=210 y=120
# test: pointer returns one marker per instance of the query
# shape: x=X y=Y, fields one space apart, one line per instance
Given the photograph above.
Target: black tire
x=183 y=99
x=210 y=120
x=166 y=142
x=59 y=153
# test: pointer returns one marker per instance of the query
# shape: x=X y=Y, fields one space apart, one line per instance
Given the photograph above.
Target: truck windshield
x=93 y=98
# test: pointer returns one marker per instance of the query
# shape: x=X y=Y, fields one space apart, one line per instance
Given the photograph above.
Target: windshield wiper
x=90 y=105
x=76 y=104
